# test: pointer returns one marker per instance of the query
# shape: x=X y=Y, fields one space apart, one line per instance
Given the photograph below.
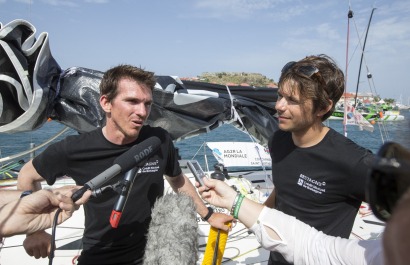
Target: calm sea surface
x=398 y=131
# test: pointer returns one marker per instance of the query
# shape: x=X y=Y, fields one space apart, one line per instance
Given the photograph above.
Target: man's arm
x=38 y=243
x=271 y=200
x=7 y=196
x=28 y=178
x=181 y=184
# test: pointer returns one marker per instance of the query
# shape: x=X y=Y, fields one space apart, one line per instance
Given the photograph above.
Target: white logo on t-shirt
x=150 y=167
x=312 y=184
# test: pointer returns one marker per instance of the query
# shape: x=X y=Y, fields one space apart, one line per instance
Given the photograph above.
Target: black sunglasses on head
x=307 y=70
x=389 y=179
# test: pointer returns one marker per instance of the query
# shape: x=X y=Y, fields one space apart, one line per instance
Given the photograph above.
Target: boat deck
x=241 y=247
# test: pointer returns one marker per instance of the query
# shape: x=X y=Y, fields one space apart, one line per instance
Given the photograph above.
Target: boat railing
x=33 y=149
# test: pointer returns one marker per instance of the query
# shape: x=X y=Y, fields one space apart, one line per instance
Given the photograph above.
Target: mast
x=361 y=59
x=349 y=16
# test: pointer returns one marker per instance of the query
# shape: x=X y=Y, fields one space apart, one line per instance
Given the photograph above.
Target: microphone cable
x=53 y=237
x=95 y=193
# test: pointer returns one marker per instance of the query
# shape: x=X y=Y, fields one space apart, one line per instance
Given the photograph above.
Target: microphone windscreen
x=173 y=232
x=137 y=153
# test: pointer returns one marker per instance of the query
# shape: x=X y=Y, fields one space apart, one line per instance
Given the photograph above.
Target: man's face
x=128 y=111
x=294 y=114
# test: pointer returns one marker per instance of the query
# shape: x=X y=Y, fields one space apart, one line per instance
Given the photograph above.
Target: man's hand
x=38 y=244
x=219 y=220
x=36 y=212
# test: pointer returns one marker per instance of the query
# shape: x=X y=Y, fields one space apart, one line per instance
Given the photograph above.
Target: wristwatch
x=208 y=215
x=25 y=193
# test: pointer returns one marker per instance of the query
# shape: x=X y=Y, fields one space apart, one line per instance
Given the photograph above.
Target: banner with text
x=240 y=154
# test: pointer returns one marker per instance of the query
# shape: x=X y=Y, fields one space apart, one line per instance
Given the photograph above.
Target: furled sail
x=33 y=88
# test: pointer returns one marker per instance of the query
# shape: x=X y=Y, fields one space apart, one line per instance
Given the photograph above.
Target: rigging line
x=361 y=59
x=359 y=43
x=355 y=49
x=369 y=75
x=384 y=131
x=372 y=87
x=381 y=131
x=205 y=157
x=236 y=116
x=203 y=145
x=21 y=154
x=370 y=81
x=197 y=151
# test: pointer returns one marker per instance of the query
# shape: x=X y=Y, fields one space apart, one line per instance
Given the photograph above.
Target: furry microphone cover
x=173 y=232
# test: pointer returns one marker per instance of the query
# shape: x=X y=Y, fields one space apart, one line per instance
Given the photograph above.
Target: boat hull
x=372 y=116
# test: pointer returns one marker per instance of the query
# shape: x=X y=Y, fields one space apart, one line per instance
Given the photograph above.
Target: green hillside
x=223 y=78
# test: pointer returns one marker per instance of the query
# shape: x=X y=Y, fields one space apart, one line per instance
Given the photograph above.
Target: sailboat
x=69 y=96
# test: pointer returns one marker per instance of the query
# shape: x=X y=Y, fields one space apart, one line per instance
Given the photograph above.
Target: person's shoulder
x=149 y=131
x=82 y=141
x=336 y=137
x=346 y=144
x=84 y=136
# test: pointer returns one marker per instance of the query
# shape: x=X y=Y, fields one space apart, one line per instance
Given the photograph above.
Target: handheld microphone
x=120 y=204
x=129 y=159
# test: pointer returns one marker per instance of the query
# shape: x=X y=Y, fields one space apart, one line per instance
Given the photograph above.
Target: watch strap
x=25 y=193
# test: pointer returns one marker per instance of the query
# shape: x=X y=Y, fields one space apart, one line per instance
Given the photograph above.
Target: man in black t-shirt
x=319 y=175
x=126 y=98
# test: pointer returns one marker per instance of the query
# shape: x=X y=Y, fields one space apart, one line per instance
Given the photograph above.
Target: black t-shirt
x=322 y=185
x=84 y=156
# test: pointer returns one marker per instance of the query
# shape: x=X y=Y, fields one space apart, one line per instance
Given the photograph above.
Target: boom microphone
x=173 y=232
x=135 y=156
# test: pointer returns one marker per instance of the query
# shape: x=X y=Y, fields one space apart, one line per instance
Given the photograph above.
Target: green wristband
x=235 y=202
x=238 y=206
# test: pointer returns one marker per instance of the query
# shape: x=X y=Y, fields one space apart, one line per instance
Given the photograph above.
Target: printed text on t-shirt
x=311 y=184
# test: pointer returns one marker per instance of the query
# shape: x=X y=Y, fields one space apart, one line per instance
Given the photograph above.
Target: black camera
x=388 y=180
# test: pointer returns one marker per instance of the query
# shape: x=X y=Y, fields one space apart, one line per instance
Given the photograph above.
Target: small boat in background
x=375 y=113
x=371 y=114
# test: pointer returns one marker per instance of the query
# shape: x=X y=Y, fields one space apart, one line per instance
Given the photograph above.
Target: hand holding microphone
x=135 y=156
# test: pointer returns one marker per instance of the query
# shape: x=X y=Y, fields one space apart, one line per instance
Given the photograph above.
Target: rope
x=215 y=246
x=362 y=55
x=235 y=116
x=372 y=88
x=21 y=154
x=10 y=166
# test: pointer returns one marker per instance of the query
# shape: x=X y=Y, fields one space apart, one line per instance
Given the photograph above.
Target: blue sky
x=189 y=37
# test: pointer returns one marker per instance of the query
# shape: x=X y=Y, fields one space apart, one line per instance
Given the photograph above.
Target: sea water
x=195 y=147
